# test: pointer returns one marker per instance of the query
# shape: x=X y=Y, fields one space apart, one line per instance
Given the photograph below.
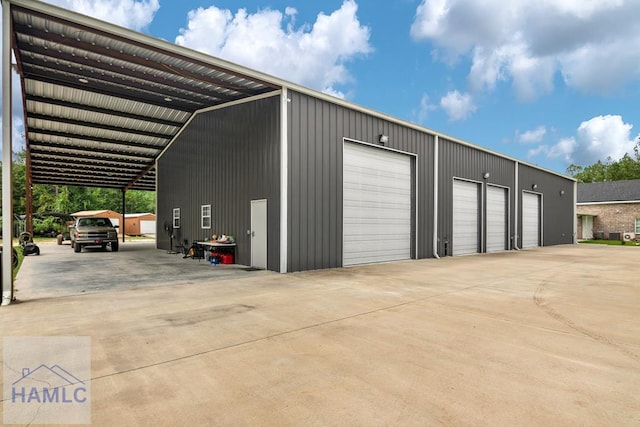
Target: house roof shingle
x=612 y=191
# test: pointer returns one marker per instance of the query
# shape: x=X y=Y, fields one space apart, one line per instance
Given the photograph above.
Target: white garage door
x=530 y=220
x=465 y=217
x=148 y=227
x=376 y=205
x=496 y=219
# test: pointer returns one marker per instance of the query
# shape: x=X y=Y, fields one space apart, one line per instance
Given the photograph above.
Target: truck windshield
x=94 y=222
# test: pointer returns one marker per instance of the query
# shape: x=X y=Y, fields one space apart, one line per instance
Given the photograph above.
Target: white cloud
x=425 y=108
x=534 y=135
x=268 y=40
x=596 y=139
x=134 y=14
x=458 y=106
x=527 y=42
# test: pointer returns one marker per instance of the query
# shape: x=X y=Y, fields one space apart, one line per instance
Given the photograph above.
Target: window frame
x=637 y=226
x=203 y=217
x=176 y=217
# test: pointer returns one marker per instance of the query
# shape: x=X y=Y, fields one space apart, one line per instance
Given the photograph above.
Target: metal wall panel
x=557 y=204
x=226 y=158
x=316 y=131
x=461 y=161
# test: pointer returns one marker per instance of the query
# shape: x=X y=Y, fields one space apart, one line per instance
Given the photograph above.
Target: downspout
x=435 y=198
x=515 y=216
x=284 y=180
x=575 y=212
x=7 y=166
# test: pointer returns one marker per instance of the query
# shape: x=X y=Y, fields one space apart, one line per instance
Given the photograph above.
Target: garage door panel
x=497 y=208
x=367 y=199
x=376 y=205
x=531 y=208
x=147 y=227
x=465 y=217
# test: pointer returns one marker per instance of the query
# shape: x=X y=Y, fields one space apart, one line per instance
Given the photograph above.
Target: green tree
x=141 y=201
x=69 y=199
x=18 y=175
x=626 y=168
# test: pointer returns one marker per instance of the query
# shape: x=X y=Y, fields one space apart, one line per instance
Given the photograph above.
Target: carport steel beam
x=7 y=187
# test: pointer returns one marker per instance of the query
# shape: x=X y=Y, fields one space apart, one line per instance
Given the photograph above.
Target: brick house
x=606 y=210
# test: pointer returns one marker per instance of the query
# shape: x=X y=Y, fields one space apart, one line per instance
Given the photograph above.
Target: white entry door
x=587 y=227
x=259 y=233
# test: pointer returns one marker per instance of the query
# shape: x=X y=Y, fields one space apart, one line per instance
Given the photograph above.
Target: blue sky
x=546 y=81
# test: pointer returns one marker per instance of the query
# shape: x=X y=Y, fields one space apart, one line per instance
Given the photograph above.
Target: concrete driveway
x=537 y=337
x=137 y=264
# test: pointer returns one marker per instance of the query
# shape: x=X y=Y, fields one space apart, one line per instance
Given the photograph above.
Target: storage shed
x=140 y=224
x=317 y=182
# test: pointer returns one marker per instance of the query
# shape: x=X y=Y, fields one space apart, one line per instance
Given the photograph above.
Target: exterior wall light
x=534 y=186
x=383 y=139
x=486 y=175
x=562 y=192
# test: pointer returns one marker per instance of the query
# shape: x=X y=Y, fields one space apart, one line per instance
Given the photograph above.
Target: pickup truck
x=95 y=231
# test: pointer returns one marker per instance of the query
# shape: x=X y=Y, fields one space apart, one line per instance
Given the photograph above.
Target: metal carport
x=101 y=102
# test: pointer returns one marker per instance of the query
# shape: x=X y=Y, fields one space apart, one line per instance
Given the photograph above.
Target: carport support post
x=7 y=185
x=124 y=210
x=28 y=197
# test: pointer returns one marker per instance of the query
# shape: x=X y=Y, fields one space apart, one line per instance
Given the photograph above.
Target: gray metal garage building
x=302 y=180
x=344 y=185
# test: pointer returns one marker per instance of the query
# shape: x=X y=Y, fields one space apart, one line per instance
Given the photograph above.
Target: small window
x=638 y=225
x=205 y=216
x=176 y=217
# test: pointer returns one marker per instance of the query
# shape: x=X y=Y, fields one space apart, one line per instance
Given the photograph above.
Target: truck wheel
x=114 y=246
x=77 y=247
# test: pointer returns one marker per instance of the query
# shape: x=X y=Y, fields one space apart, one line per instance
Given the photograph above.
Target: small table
x=218 y=245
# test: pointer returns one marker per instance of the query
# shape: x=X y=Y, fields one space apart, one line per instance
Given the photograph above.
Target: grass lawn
x=610 y=242
x=20 y=258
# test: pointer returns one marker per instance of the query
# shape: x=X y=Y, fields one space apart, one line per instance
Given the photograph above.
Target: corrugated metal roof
x=102 y=102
